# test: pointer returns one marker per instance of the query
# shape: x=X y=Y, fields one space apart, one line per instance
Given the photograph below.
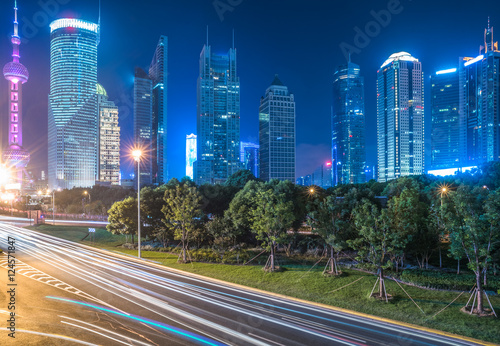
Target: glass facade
x=277 y=133
x=218 y=118
x=73 y=115
x=190 y=154
x=348 y=126
x=400 y=118
x=109 y=140
x=143 y=125
x=158 y=73
x=249 y=156
x=445 y=102
x=322 y=176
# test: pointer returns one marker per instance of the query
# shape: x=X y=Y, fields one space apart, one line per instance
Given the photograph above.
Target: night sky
x=299 y=40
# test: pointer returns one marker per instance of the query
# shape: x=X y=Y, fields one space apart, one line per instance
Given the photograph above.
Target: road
x=67 y=290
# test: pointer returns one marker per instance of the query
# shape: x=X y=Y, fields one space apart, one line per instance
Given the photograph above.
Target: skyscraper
x=249 y=156
x=445 y=138
x=109 y=140
x=277 y=133
x=73 y=119
x=400 y=117
x=158 y=74
x=15 y=156
x=348 y=126
x=190 y=154
x=218 y=118
x=322 y=176
x=143 y=124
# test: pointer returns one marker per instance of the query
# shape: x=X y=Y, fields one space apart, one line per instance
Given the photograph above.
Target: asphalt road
x=66 y=290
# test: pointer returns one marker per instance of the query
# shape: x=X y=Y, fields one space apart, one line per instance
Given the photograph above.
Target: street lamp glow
x=136 y=154
x=4 y=175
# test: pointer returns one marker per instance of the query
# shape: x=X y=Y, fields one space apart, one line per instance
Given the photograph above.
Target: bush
x=448 y=281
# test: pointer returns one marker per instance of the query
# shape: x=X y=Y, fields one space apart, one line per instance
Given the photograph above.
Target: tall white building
x=400 y=117
x=109 y=140
x=190 y=154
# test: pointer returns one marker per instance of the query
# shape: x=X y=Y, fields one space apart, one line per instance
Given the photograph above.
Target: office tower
x=277 y=133
x=73 y=119
x=400 y=117
x=249 y=156
x=143 y=124
x=190 y=154
x=158 y=74
x=348 y=126
x=109 y=140
x=15 y=156
x=322 y=176
x=218 y=118
x=445 y=136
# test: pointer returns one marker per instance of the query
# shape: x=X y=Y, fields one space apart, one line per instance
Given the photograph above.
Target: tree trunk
x=485 y=276
x=440 y=259
x=381 y=283
x=458 y=267
x=133 y=242
x=479 y=293
x=184 y=258
x=332 y=262
x=272 y=257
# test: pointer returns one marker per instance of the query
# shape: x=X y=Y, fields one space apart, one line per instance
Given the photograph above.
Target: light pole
x=137 y=157
x=54 y=205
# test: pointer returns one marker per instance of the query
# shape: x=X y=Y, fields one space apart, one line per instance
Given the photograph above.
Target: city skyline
x=219 y=30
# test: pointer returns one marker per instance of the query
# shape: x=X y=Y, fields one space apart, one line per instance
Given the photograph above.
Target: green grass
x=297 y=282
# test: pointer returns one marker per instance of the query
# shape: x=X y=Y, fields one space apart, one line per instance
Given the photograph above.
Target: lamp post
x=54 y=205
x=137 y=157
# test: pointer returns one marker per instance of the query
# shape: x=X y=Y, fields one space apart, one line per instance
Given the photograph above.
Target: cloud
x=310 y=157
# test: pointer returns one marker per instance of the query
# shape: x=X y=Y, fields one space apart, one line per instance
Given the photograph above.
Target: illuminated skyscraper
x=73 y=115
x=190 y=154
x=143 y=124
x=445 y=137
x=249 y=156
x=158 y=74
x=109 y=140
x=277 y=133
x=322 y=176
x=348 y=126
x=15 y=156
x=400 y=117
x=218 y=118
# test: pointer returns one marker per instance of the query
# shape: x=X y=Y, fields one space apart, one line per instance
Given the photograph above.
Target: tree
x=240 y=179
x=181 y=210
x=152 y=202
x=376 y=240
x=122 y=217
x=471 y=219
x=216 y=198
x=222 y=233
x=271 y=219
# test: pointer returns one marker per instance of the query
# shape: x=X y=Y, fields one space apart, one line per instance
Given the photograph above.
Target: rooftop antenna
x=207 y=35
x=99 y=25
x=488 y=23
x=233 y=38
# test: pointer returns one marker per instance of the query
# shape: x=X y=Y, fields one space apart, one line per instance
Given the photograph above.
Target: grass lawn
x=298 y=282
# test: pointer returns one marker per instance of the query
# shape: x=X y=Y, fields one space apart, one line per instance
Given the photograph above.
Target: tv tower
x=15 y=156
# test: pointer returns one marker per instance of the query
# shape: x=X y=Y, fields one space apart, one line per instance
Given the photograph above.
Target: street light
x=54 y=204
x=137 y=157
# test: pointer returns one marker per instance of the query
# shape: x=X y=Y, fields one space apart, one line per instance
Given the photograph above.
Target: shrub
x=448 y=281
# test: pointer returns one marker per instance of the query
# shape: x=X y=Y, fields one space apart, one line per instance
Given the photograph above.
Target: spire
x=207 y=35
x=15 y=36
x=233 y=38
x=488 y=23
x=99 y=25
x=277 y=81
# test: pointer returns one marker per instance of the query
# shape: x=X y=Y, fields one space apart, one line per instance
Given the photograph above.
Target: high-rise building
x=15 y=156
x=445 y=102
x=109 y=140
x=158 y=73
x=400 y=117
x=348 y=126
x=190 y=154
x=277 y=133
x=322 y=176
x=143 y=124
x=249 y=156
x=73 y=118
x=218 y=117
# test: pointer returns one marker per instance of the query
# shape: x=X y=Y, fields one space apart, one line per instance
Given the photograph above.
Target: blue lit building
x=348 y=126
x=249 y=156
x=277 y=133
x=143 y=124
x=218 y=117
x=158 y=73
x=190 y=154
x=322 y=176
x=445 y=105
x=400 y=118
x=73 y=118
